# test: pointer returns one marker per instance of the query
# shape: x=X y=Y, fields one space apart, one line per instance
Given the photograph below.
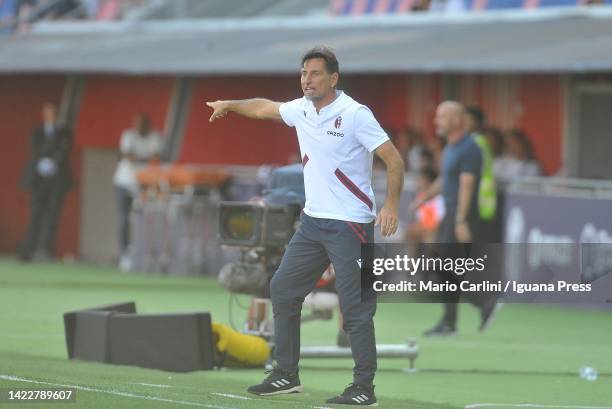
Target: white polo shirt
x=337 y=146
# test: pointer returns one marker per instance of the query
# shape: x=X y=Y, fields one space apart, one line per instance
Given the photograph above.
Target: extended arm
x=256 y=108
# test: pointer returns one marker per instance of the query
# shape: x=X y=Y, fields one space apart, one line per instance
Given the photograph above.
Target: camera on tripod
x=255 y=224
x=261 y=230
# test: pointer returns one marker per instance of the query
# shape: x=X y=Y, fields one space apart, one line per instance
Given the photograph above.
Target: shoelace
x=351 y=386
x=275 y=372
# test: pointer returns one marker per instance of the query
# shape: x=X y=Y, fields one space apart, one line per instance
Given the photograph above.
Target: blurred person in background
x=447 y=6
x=416 y=147
x=487 y=190
x=519 y=160
x=435 y=146
x=458 y=184
x=427 y=216
x=47 y=175
x=409 y=143
x=8 y=12
x=496 y=142
x=138 y=146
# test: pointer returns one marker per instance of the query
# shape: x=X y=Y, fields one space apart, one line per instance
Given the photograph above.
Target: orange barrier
x=180 y=176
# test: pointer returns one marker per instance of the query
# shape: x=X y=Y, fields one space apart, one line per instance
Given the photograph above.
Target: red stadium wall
x=109 y=104
x=21 y=97
x=235 y=139
x=238 y=140
x=385 y=95
x=541 y=98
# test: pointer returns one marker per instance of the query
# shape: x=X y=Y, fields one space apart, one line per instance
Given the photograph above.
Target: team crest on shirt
x=338 y=122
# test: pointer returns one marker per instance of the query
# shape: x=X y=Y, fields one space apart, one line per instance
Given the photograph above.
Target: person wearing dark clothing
x=458 y=183
x=47 y=175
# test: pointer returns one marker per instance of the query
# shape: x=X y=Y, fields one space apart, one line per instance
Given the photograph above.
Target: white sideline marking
x=151 y=384
x=530 y=405
x=113 y=392
x=229 y=395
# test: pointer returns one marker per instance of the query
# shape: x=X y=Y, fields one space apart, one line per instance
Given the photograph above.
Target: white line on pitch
x=113 y=392
x=530 y=405
x=229 y=395
x=151 y=384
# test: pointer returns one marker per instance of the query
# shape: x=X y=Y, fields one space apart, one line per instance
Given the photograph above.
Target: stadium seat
x=504 y=4
x=558 y=3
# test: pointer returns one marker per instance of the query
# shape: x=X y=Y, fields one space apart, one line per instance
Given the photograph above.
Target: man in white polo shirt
x=337 y=138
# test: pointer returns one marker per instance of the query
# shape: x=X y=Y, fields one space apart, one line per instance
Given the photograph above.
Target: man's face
x=317 y=82
x=470 y=123
x=49 y=113
x=443 y=121
x=141 y=124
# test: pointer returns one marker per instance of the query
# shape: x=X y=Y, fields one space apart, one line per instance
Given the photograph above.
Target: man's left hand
x=388 y=220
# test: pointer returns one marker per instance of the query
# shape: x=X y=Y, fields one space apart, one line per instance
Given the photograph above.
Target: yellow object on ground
x=238 y=349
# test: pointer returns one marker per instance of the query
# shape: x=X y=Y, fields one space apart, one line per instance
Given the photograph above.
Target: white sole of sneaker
x=295 y=389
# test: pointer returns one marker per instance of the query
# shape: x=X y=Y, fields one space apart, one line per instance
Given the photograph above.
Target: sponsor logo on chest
x=337 y=125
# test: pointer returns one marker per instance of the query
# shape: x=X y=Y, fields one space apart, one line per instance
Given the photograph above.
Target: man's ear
x=334 y=79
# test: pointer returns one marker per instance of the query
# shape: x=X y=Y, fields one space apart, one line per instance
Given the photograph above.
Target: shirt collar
x=339 y=95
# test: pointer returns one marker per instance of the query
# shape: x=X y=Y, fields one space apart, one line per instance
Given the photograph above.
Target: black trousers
x=449 y=247
x=45 y=209
x=124 y=209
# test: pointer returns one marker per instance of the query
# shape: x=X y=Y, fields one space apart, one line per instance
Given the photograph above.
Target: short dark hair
x=320 y=51
x=476 y=114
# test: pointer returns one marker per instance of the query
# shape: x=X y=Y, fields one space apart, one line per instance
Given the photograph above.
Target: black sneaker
x=277 y=382
x=487 y=314
x=443 y=329
x=355 y=394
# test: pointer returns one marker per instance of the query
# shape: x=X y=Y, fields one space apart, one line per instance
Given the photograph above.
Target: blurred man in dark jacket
x=48 y=176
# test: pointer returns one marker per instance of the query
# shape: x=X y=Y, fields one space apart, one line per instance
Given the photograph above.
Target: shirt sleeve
x=367 y=129
x=289 y=110
x=125 y=144
x=157 y=145
x=472 y=161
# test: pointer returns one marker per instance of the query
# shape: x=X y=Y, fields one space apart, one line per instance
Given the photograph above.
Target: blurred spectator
x=25 y=11
x=91 y=8
x=447 y=6
x=108 y=10
x=416 y=148
x=435 y=146
x=8 y=12
x=409 y=143
x=48 y=176
x=428 y=216
x=487 y=191
x=519 y=160
x=420 y=5
x=55 y=9
x=138 y=146
x=496 y=141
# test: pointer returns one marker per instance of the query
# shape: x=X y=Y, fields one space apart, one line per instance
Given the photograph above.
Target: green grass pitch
x=530 y=355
